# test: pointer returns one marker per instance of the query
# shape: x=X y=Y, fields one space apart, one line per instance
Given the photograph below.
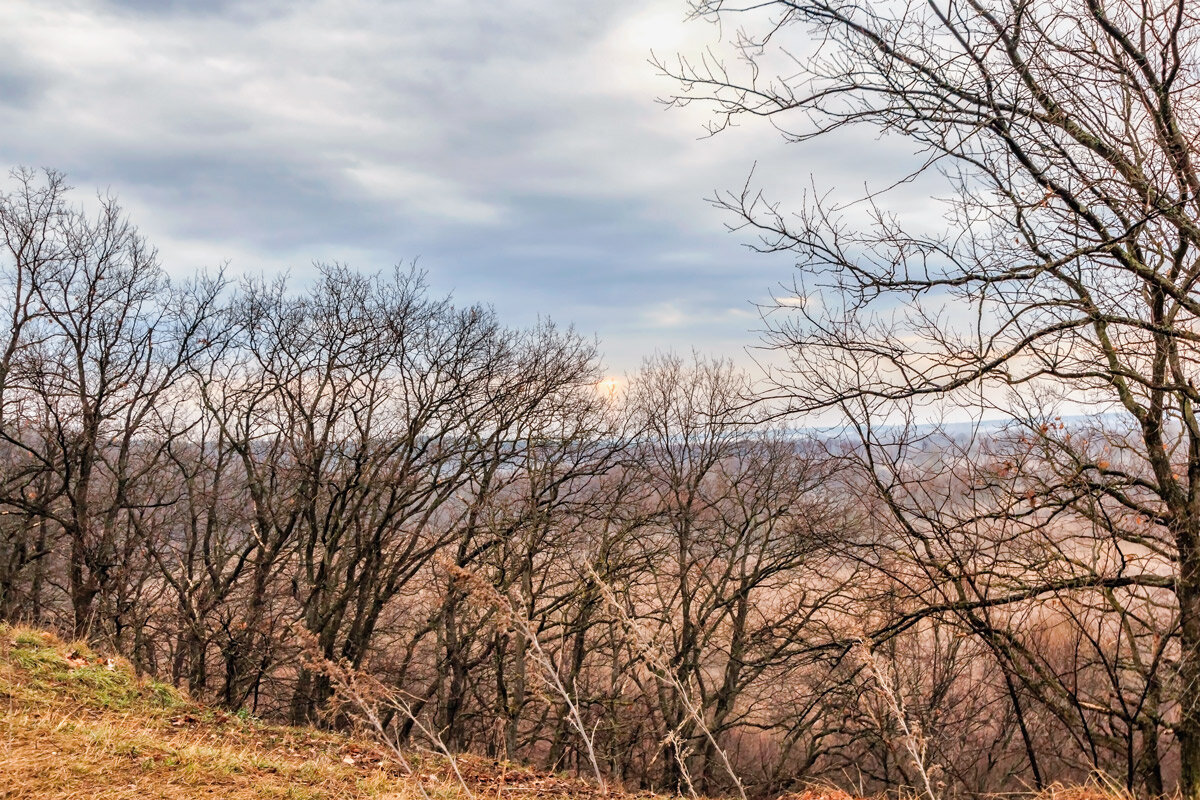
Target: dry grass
x=75 y=725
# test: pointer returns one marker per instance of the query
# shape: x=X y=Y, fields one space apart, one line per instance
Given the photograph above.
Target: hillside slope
x=76 y=725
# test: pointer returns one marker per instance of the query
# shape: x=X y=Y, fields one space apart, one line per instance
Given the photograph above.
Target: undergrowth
x=77 y=724
x=74 y=723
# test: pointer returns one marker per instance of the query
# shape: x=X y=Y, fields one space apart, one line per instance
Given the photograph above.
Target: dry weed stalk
x=548 y=669
x=682 y=750
x=654 y=656
x=912 y=738
x=364 y=696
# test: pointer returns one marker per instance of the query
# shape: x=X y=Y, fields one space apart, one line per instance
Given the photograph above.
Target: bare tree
x=1066 y=278
x=98 y=341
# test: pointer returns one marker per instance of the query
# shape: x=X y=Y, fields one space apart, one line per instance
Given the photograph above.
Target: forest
x=944 y=542
x=216 y=480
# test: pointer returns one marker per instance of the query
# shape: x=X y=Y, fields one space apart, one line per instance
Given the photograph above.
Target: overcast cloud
x=515 y=147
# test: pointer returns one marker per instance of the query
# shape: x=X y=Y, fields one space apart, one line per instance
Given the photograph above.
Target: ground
x=74 y=724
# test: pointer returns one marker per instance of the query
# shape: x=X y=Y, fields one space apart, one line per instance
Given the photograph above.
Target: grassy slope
x=75 y=725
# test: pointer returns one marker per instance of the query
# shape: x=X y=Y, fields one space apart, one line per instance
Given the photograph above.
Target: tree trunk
x=82 y=586
x=1188 y=592
x=456 y=660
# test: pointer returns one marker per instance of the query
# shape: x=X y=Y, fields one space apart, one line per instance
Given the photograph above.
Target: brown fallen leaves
x=491 y=778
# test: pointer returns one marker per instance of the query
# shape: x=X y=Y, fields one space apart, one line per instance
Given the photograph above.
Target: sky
x=515 y=149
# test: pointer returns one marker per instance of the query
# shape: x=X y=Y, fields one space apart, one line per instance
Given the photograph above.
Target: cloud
x=516 y=147
x=665 y=315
